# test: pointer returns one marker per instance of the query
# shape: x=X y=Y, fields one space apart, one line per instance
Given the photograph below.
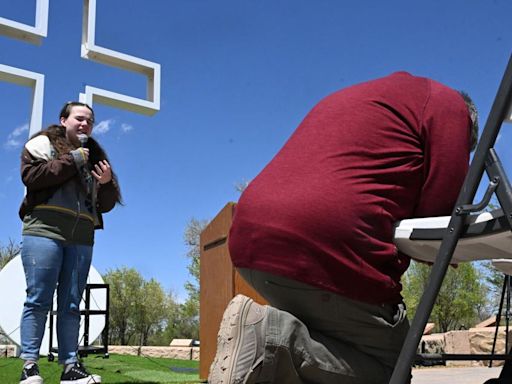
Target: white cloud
x=14 y=140
x=103 y=126
x=126 y=127
x=18 y=131
x=13 y=143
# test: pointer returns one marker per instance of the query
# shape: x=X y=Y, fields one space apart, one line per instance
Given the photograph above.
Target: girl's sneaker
x=77 y=374
x=30 y=375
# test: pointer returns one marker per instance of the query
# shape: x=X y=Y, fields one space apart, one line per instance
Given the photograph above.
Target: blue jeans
x=51 y=264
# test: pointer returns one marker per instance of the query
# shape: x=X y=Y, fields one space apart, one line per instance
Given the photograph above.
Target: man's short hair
x=473 y=113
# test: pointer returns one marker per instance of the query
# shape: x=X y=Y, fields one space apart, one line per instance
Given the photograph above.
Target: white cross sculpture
x=89 y=51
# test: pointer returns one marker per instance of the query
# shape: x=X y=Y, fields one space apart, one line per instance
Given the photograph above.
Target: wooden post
x=219 y=284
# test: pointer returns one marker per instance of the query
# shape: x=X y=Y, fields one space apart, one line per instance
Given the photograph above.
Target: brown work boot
x=240 y=342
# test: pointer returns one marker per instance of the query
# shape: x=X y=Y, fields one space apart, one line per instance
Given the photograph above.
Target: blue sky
x=238 y=76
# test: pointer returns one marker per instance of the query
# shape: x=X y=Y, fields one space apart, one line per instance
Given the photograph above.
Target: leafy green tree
x=460 y=301
x=493 y=277
x=140 y=311
x=169 y=327
x=494 y=280
x=125 y=295
x=188 y=319
x=150 y=311
x=187 y=322
x=192 y=238
x=181 y=321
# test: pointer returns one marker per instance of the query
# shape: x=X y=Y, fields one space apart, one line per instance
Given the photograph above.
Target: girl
x=69 y=184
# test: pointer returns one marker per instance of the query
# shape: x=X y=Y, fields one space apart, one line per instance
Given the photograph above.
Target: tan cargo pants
x=316 y=336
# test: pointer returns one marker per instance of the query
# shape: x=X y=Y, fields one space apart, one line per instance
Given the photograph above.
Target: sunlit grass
x=117 y=369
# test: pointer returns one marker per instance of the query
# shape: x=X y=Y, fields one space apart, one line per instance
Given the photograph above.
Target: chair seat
x=485 y=236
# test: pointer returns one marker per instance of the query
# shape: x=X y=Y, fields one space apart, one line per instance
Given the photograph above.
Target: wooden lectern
x=219 y=283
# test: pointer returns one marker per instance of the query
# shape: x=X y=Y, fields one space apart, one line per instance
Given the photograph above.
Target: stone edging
x=181 y=353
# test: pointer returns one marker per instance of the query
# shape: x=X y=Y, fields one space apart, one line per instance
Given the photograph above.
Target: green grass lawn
x=117 y=369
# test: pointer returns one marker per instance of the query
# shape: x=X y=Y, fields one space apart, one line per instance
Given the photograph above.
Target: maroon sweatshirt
x=322 y=211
